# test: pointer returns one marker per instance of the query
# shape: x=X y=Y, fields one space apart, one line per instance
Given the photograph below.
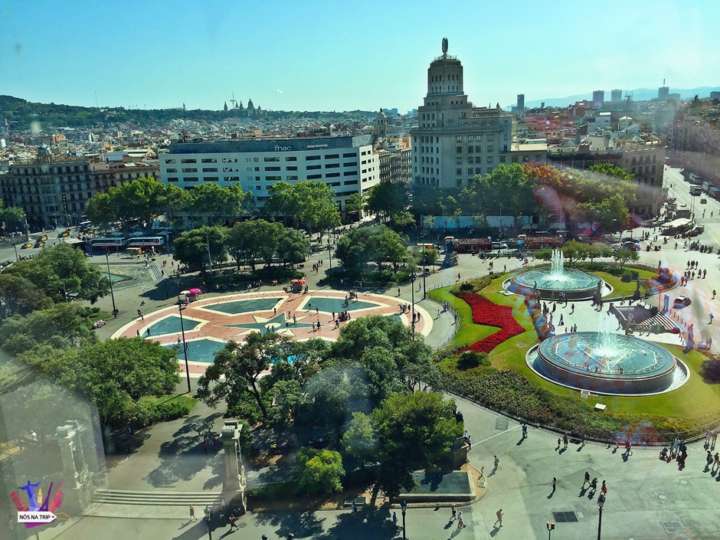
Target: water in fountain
x=557 y=265
x=607 y=343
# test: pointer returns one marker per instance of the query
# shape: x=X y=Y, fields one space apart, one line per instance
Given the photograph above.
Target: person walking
x=461 y=523
x=554 y=484
x=499 y=516
x=565 y=441
x=587 y=479
x=603 y=488
x=524 y=431
x=192 y=513
x=394 y=519
x=453 y=513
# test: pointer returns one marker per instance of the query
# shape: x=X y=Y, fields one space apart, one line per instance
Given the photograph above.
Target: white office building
x=346 y=164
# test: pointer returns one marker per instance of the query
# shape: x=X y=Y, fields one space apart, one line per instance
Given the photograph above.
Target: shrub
x=319 y=472
x=152 y=409
x=711 y=370
x=467 y=286
x=472 y=359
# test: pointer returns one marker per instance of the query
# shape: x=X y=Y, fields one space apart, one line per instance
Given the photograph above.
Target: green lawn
x=622 y=289
x=692 y=407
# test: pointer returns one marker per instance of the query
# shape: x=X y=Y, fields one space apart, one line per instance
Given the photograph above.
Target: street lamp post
x=424 y=276
x=550 y=528
x=17 y=257
x=330 y=253
x=112 y=291
x=181 y=303
x=403 y=509
x=601 y=503
x=412 y=300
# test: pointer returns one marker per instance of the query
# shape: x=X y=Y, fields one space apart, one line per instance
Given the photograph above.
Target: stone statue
x=444 y=46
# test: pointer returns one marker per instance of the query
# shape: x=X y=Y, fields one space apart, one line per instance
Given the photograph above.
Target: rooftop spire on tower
x=444 y=46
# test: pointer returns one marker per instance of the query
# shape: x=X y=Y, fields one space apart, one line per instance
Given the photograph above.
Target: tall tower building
x=454 y=140
x=520 y=103
x=598 y=98
x=616 y=95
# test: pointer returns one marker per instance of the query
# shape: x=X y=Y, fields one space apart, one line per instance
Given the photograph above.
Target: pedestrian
x=499 y=520
x=140 y=314
x=603 y=488
x=587 y=478
x=497 y=462
x=714 y=294
x=554 y=484
x=461 y=523
x=558 y=444
x=565 y=440
x=524 y=431
x=711 y=318
x=192 y=513
x=453 y=513
x=394 y=519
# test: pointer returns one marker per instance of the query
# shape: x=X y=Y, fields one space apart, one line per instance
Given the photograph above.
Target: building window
x=291 y=168
x=171 y=170
x=350 y=173
x=291 y=158
x=332 y=156
x=209 y=169
x=271 y=159
x=312 y=167
x=209 y=160
x=350 y=154
x=314 y=176
x=172 y=179
x=211 y=179
x=190 y=170
x=350 y=182
x=188 y=161
x=273 y=178
x=332 y=165
x=311 y=158
x=332 y=175
x=272 y=168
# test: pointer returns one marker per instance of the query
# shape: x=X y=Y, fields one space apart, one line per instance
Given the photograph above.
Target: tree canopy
x=58 y=327
x=19 y=296
x=376 y=243
x=388 y=198
x=12 y=218
x=214 y=204
x=139 y=200
x=62 y=272
x=196 y=246
x=309 y=205
x=114 y=374
x=414 y=431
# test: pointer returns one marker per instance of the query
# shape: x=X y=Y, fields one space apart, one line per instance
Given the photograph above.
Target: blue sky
x=333 y=55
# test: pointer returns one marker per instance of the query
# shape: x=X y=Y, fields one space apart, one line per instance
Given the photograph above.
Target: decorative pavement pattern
x=211 y=322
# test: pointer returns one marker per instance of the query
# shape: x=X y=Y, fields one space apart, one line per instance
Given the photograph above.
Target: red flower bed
x=486 y=312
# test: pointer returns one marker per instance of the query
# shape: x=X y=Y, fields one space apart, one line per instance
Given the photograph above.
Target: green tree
x=59 y=326
x=414 y=431
x=138 y=200
x=19 y=296
x=612 y=170
x=623 y=255
x=293 y=246
x=249 y=241
x=214 y=204
x=319 y=472
x=506 y=190
x=388 y=198
x=359 y=441
x=236 y=371
x=355 y=204
x=63 y=272
x=12 y=218
x=114 y=374
x=611 y=213
x=309 y=205
x=196 y=246
x=376 y=243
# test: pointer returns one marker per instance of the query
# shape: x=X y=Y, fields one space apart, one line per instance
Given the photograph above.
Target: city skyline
x=162 y=55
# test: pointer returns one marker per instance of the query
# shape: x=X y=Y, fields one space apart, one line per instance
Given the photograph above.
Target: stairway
x=156 y=497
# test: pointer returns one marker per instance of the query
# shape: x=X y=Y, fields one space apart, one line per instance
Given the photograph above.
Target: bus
x=156 y=242
x=109 y=242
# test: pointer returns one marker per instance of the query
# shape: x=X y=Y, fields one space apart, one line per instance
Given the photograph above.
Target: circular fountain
x=557 y=281
x=607 y=363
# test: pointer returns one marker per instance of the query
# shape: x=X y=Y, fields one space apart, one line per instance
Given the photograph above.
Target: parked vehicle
x=681 y=302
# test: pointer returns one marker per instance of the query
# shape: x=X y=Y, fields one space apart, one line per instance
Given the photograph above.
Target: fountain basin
x=623 y=364
x=573 y=284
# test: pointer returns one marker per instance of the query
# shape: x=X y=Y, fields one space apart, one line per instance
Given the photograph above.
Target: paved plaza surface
x=211 y=322
x=647 y=498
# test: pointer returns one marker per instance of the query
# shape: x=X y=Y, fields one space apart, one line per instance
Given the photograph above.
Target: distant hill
x=20 y=113
x=638 y=94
